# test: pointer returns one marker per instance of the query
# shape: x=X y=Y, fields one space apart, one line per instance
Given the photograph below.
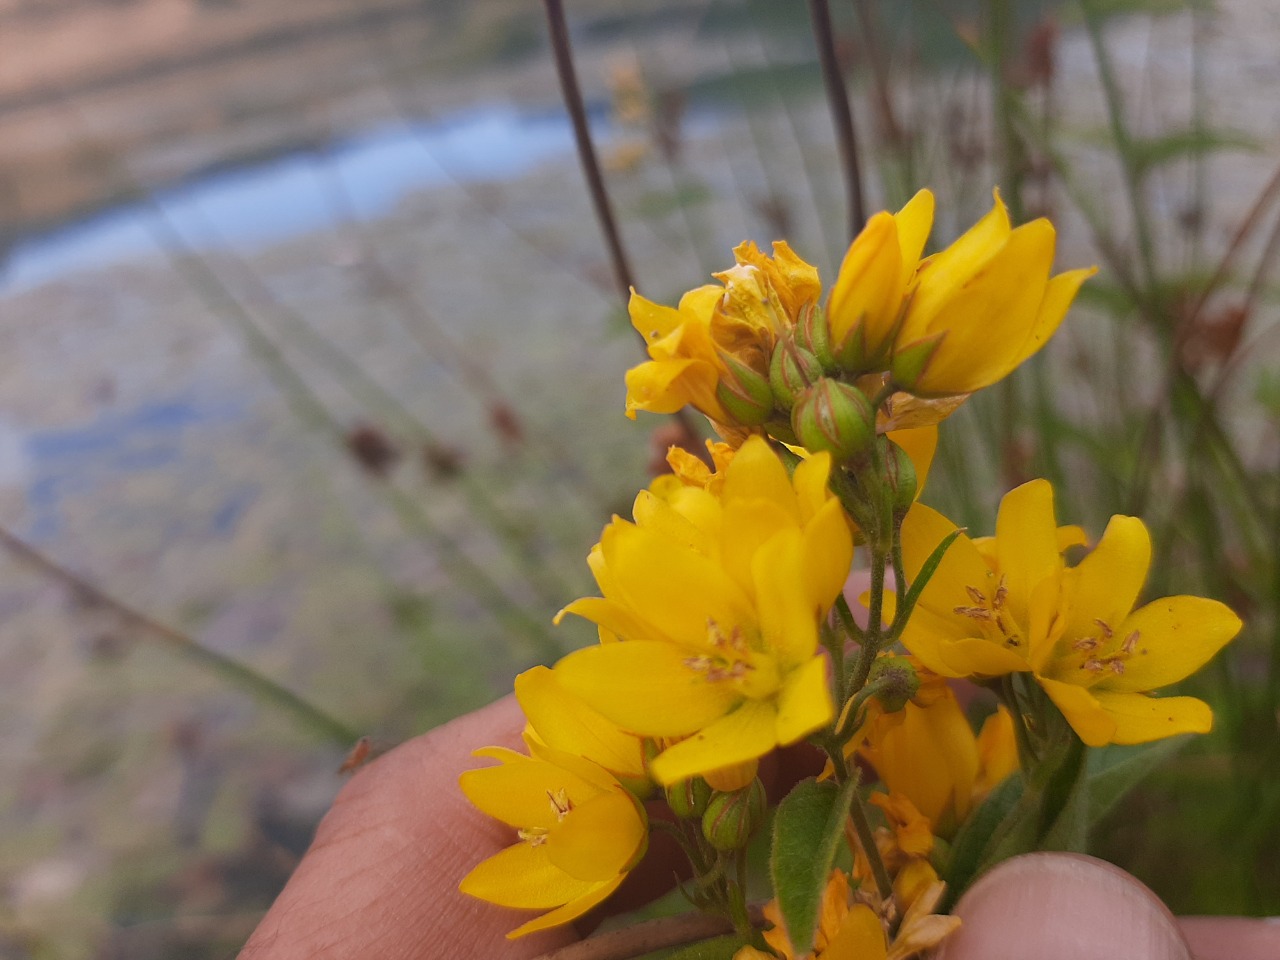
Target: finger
x=1062 y=906
x=1232 y=938
x=381 y=877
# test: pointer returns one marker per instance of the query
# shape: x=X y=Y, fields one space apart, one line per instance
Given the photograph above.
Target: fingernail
x=1062 y=906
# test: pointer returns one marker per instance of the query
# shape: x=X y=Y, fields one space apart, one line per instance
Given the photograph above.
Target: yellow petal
x=756 y=473
x=662 y=518
x=613 y=617
x=599 y=839
x=570 y=911
x=1058 y=294
x=1106 y=583
x=788 y=621
x=962 y=565
x=665 y=386
x=746 y=733
x=914 y=221
x=516 y=792
x=827 y=555
x=678 y=590
x=647 y=688
x=920 y=443
x=653 y=321
x=810 y=482
x=748 y=526
x=868 y=290
x=1071 y=535
x=990 y=320
x=523 y=876
x=860 y=937
x=979 y=657
x=1094 y=725
x=566 y=723
x=1140 y=718
x=1176 y=637
x=804 y=703
x=1026 y=543
x=942 y=274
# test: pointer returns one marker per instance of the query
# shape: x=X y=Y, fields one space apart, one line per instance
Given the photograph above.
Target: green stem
x=875 y=630
x=1026 y=753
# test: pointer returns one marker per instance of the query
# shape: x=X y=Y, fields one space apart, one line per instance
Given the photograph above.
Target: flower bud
x=837 y=417
x=791 y=370
x=735 y=777
x=745 y=394
x=899 y=681
x=813 y=334
x=688 y=798
x=731 y=818
x=902 y=478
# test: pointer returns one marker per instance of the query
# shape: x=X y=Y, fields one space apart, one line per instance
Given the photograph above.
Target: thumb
x=1062 y=906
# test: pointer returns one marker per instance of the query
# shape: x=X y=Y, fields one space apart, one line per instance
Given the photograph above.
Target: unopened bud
x=902 y=477
x=744 y=393
x=791 y=370
x=813 y=334
x=688 y=798
x=731 y=818
x=735 y=777
x=896 y=681
x=837 y=417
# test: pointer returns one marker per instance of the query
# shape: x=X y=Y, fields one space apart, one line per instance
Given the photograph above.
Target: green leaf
x=979 y=829
x=926 y=573
x=807 y=830
x=1148 y=153
x=1114 y=771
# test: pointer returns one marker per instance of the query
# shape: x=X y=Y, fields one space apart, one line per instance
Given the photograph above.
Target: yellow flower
x=981 y=307
x=685 y=366
x=850 y=928
x=1011 y=605
x=580 y=833
x=561 y=723
x=691 y=347
x=866 y=301
x=928 y=754
x=716 y=599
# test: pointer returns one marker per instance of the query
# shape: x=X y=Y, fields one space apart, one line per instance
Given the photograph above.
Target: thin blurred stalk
x=373 y=395
x=563 y=52
x=307 y=405
x=893 y=134
x=1125 y=153
x=240 y=675
x=841 y=114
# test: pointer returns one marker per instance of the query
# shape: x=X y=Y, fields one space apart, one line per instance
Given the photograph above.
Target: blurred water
x=266 y=202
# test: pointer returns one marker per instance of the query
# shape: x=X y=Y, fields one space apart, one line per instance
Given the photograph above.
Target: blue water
x=68 y=462
x=266 y=202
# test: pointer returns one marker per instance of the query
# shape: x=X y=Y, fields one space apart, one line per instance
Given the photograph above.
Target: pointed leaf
x=807 y=831
x=1114 y=771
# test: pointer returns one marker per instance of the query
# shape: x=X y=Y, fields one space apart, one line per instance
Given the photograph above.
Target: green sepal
x=909 y=362
x=807 y=831
x=1115 y=770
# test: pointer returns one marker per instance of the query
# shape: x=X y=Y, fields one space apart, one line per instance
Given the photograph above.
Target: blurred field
x=310 y=349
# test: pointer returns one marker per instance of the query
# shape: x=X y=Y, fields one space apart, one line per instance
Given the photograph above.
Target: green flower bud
x=837 y=417
x=688 y=798
x=731 y=818
x=791 y=370
x=899 y=678
x=902 y=478
x=744 y=393
x=813 y=334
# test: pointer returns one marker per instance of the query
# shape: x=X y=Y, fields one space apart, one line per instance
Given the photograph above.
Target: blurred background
x=311 y=370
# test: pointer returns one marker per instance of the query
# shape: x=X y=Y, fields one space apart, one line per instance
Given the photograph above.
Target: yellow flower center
x=754 y=674
x=1103 y=651
x=991 y=616
x=560 y=806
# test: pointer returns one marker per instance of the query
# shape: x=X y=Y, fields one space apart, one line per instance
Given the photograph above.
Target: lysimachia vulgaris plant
x=727 y=631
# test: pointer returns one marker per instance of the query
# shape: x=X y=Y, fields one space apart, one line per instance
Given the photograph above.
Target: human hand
x=380 y=880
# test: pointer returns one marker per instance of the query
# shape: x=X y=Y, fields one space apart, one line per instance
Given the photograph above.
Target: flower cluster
x=725 y=632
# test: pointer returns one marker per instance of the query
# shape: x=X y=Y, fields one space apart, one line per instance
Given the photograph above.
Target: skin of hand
x=380 y=880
